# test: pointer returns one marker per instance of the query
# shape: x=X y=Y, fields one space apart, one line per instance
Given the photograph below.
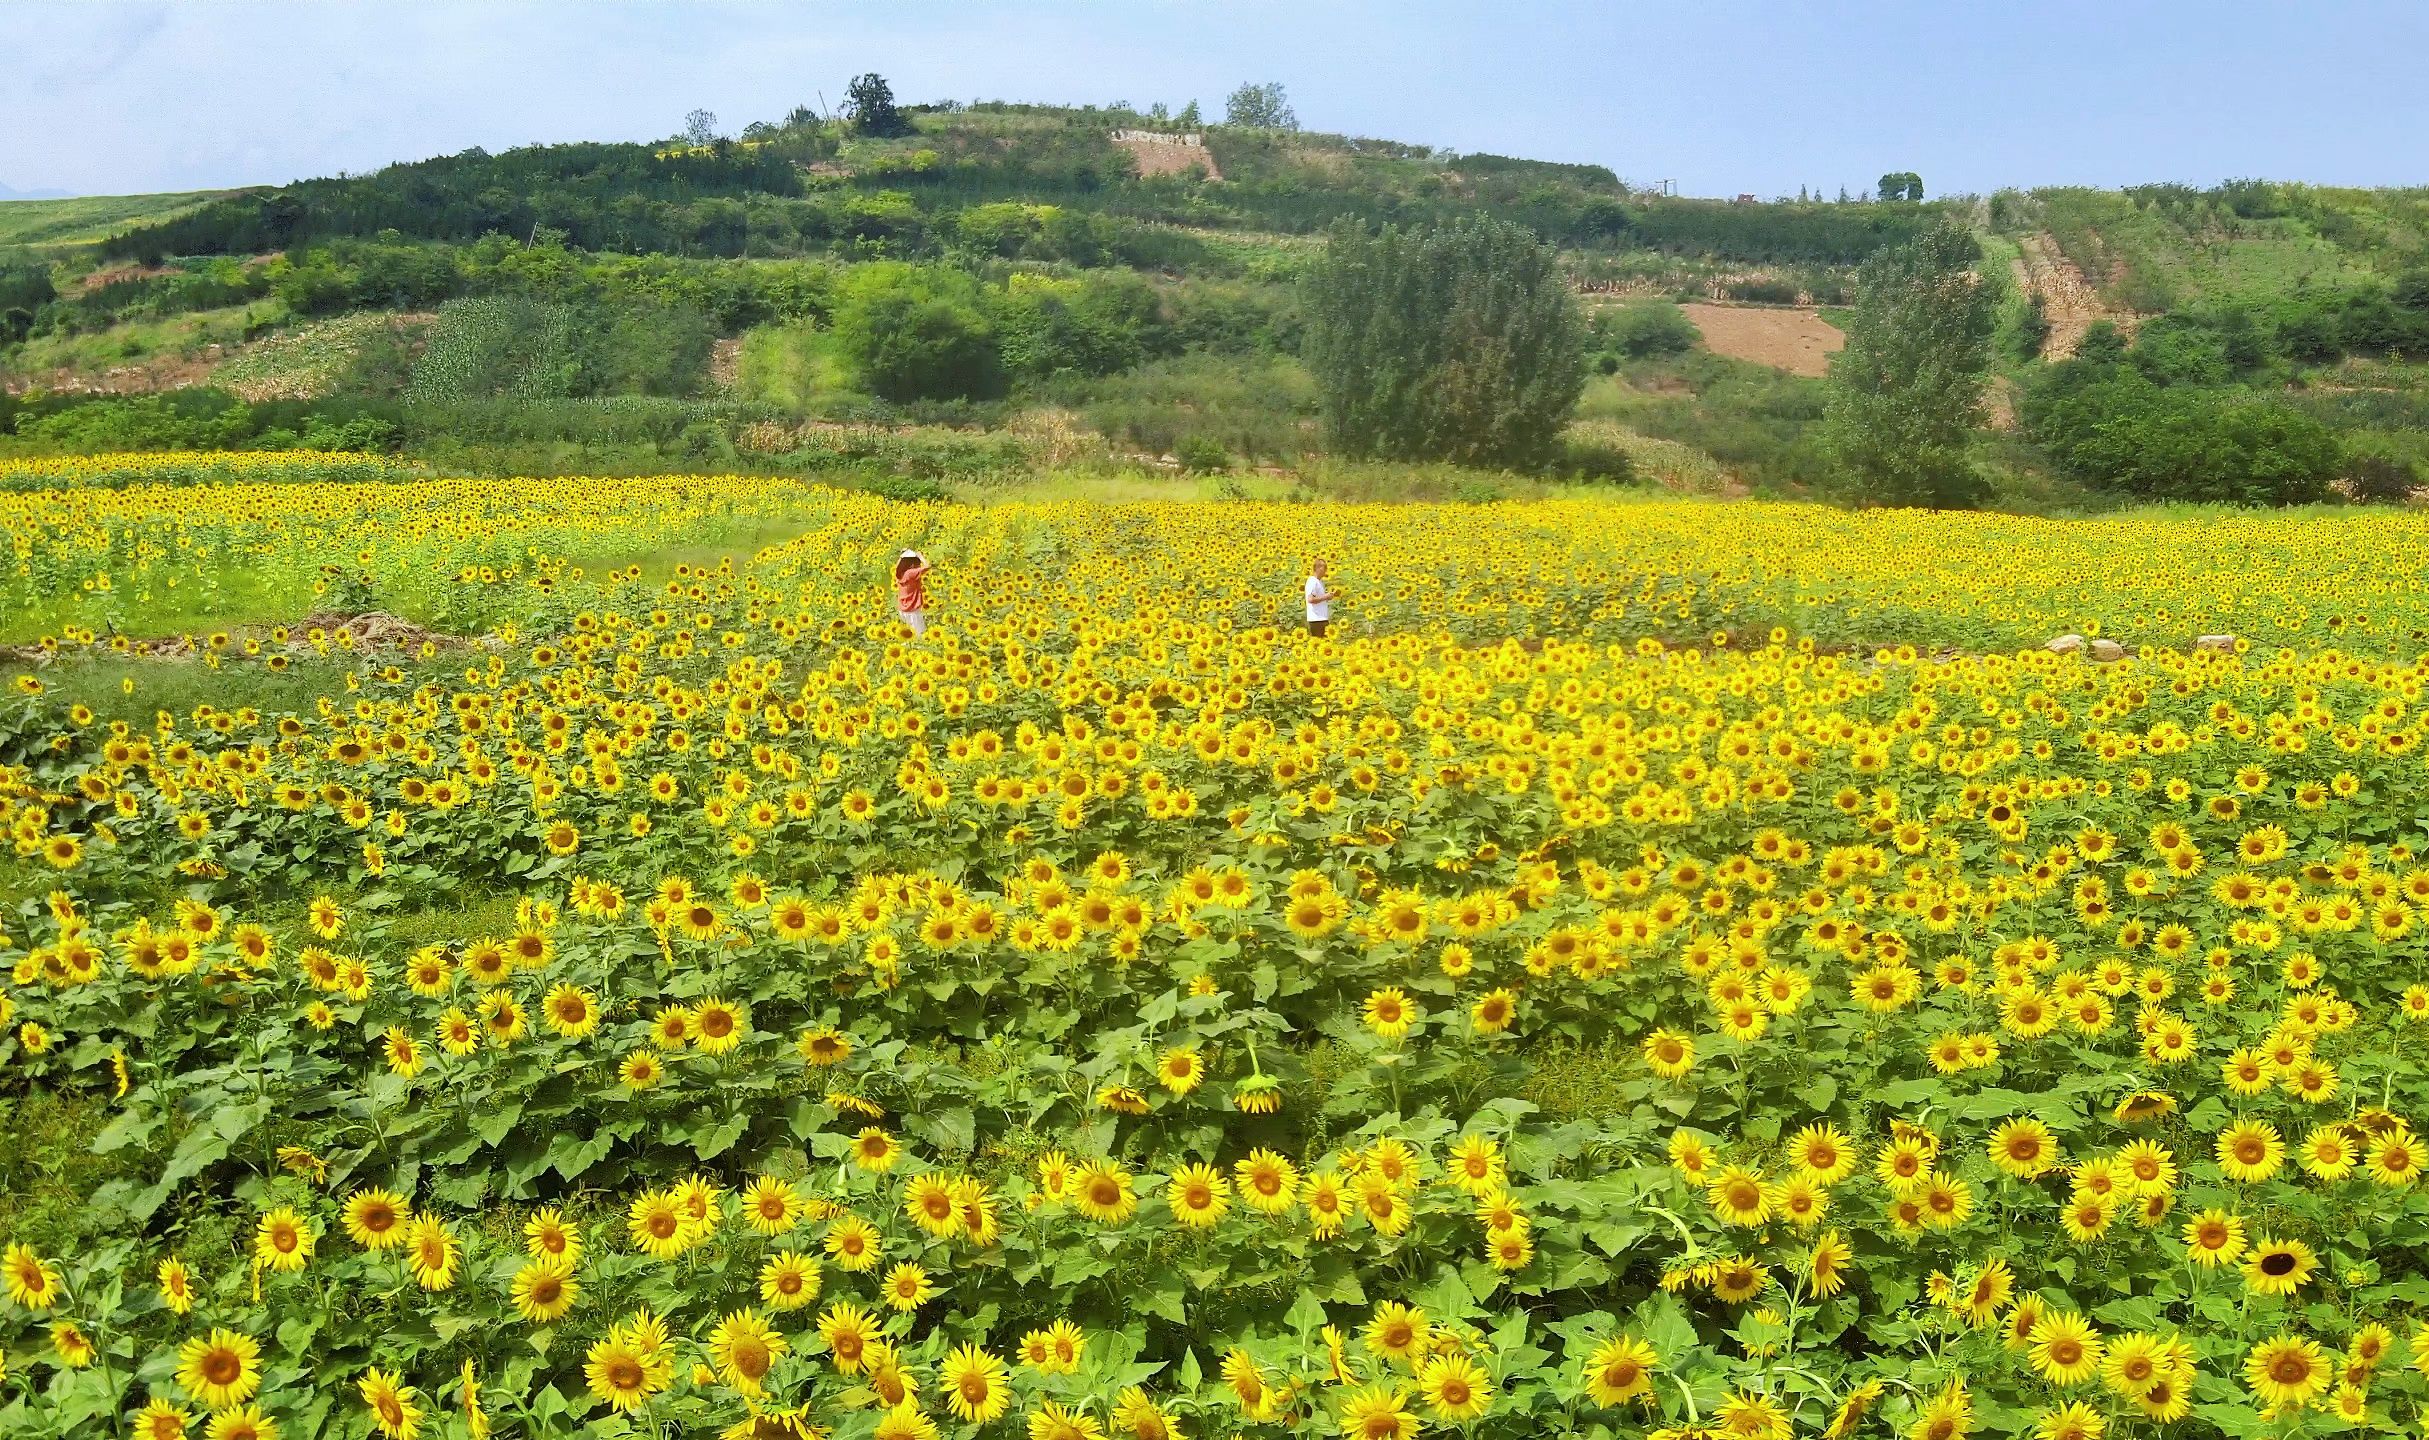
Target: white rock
x=2107 y=649
x=2064 y=645
x=2214 y=642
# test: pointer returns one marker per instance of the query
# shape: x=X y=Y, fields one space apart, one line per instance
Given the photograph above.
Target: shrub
x=1645 y=329
x=1763 y=292
x=2175 y=350
x=915 y=332
x=181 y=420
x=1253 y=408
x=1202 y=453
x=2111 y=426
x=1585 y=457
x=2377 y=478
x=1092 y=326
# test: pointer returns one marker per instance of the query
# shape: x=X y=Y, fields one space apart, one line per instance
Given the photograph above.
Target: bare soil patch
x=1793 y=338
x=162 y=372
x=1999 y=403
x=2068 y=301
x=1170 y=157
x=370 y=631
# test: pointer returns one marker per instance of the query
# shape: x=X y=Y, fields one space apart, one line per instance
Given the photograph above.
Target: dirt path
x=724 y=363
x=1999 y=403
x=1791 y=338
x=2068 y=300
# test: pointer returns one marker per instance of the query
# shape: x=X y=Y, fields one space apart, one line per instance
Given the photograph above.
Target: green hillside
x=88 y=219
x=1116 y=291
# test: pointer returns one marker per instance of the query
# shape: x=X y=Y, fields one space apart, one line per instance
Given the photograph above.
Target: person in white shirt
x=1319 y=600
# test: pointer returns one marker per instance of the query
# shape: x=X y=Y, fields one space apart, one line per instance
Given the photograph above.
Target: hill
x=90 y=219
x=598 y=305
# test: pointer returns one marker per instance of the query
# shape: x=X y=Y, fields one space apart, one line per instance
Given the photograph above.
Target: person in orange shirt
x=911 y=591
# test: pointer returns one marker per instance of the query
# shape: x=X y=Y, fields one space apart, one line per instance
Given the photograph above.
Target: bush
x=1095 y=325
x=2376 y=478
x=1763 y=292
x=904 y=488
x=916 y=332
x=1460 y=343
x=1202 y=453
x=2174 y=350
x=1253 y=408
x=1595 y=461
x=180 y=420
x=1644 y=329
x=2111 y=426
x=2031 y=330
x=362 y=433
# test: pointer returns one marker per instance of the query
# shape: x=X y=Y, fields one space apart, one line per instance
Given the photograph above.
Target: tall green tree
x=1260 y=107
x=1906 y=394
x=1457 y=343
x=869 y=100
x=917 y=332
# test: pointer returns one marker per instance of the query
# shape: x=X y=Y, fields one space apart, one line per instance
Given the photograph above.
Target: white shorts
x=916 y=619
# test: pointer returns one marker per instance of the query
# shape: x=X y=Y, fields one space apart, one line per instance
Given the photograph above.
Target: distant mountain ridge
x=9 y=193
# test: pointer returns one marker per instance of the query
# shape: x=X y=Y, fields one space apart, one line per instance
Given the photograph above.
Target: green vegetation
x=1458 y=344
x=89 y=219
x=2150 y=428
x=1906 y=394
x=936 y=279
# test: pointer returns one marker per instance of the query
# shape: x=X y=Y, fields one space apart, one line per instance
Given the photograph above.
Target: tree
x=869 y=101
x=1188 y=118
x=1902 y=185
x=917 y=332
x=1260 y=107
x=1457 y=343
x=700 y=127
x=1906 y=393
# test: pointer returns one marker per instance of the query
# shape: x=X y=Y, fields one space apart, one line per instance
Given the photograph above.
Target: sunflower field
x=1657 y=968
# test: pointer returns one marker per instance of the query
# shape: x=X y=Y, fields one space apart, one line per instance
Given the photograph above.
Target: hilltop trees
x=1458 y=343
x=1901 y=185
x=1260 y=107
x=869 y=100
x=1906 y=393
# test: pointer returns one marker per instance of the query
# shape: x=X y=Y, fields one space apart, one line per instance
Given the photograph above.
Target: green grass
x=235 y=596
x=135 y=342
x=658 y=562
x=90 y=218
x=48 y=1170
x=137 y=690
x=2146 y=258
x=789 y=366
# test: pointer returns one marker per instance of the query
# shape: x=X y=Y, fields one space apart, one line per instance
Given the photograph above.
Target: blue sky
x=109 y=96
